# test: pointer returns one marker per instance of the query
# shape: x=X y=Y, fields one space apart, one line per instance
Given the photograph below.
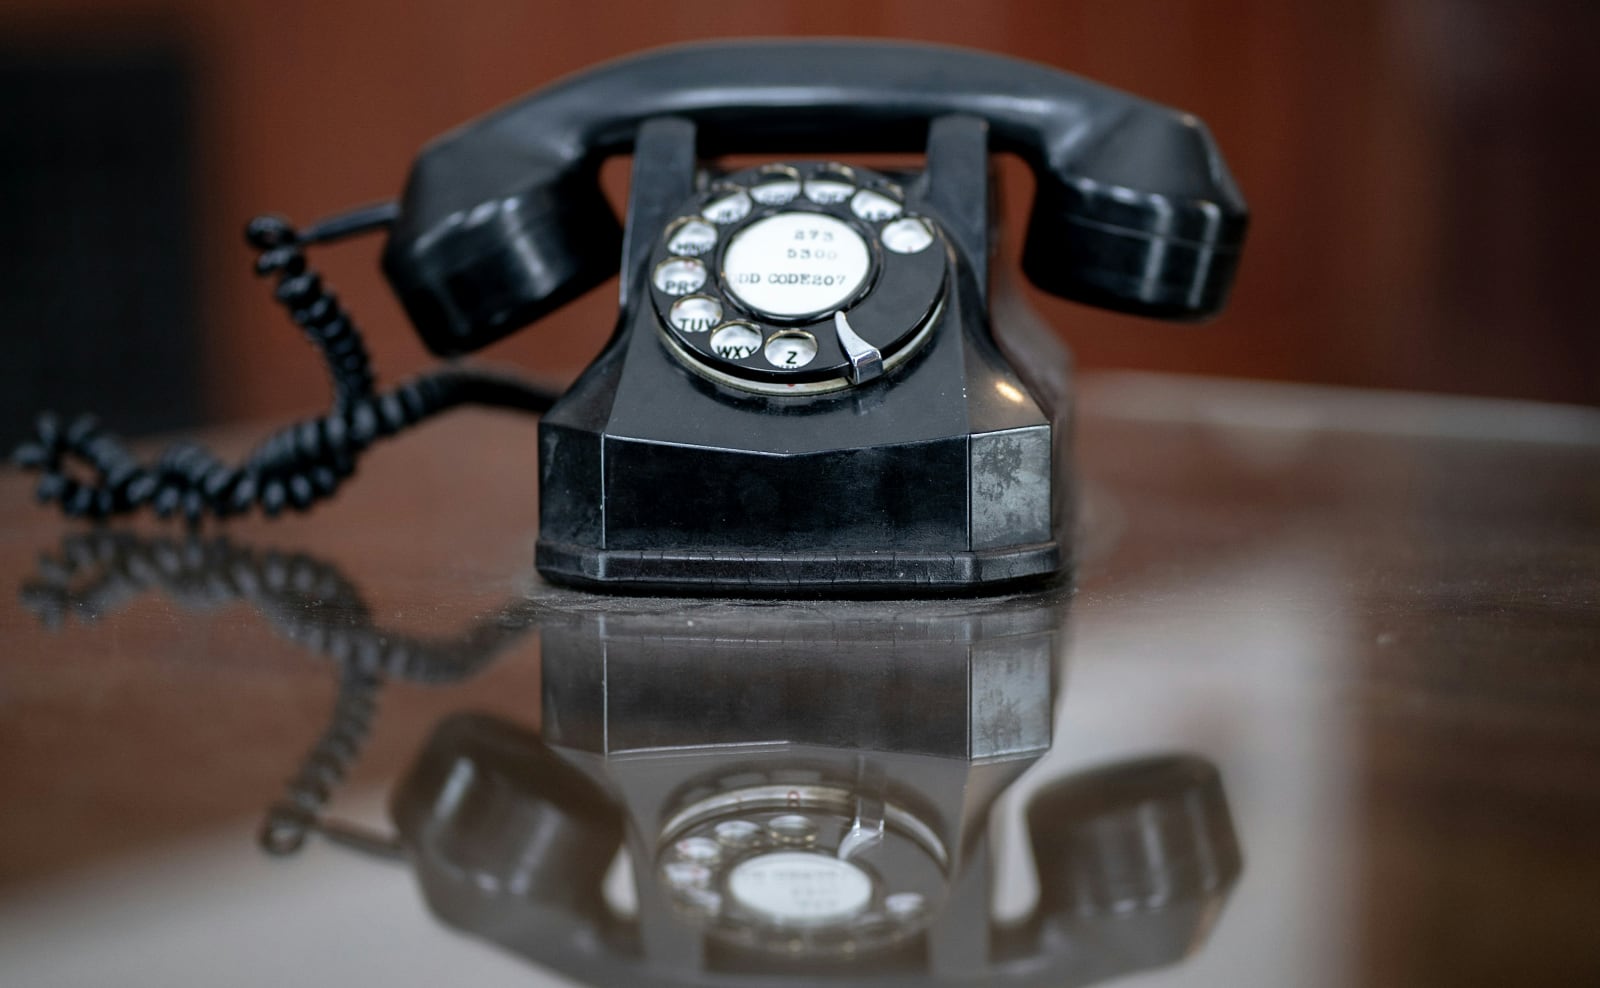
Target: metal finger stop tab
x=866 y=362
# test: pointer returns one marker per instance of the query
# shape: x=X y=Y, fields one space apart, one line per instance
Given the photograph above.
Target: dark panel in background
x=97 y=284
x=1515 y=85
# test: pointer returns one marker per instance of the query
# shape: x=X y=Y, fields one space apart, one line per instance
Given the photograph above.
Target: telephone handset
x=503 y=220
x=809 y=387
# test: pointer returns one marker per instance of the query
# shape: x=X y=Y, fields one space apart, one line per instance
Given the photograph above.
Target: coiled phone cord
x=299 y=464
x=308 y=601
x=290 y=820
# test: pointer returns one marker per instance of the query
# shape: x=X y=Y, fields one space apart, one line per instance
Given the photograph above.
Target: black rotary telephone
x=809 y=387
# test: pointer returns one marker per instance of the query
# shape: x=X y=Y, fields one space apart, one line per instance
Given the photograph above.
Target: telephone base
x=824 y=573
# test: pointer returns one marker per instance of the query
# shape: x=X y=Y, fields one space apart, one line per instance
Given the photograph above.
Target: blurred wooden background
x=1418 y=169
x=1421 y=174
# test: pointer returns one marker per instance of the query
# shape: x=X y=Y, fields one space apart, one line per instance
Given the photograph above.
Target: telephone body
x=811 y=385
x=790 y=820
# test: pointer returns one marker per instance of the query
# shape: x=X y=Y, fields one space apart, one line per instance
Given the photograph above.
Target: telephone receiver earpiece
x=503 y=220
x=1135 y=857
x=488 y=808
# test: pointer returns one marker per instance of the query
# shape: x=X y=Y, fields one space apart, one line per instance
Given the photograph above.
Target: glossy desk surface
x=1349 y=640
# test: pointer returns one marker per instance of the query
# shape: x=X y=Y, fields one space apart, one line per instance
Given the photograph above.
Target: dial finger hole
x=904 y=905
x=737 y=833
x=792 y=828
x=790 y=351
x=777 y=185
x=735 y=341
x=874 y=207
x=686 y=874
x=730 y=207
x=692 y=237
x=700 y=850
x=910 y=235
x=679 y=275
x=695 y=314
x=832 y=184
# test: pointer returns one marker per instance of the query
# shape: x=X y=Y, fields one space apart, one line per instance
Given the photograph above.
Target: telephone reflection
x=728 y=794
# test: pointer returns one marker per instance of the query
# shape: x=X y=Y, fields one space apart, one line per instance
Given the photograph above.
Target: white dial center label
x=796 y=264
x=800 y=888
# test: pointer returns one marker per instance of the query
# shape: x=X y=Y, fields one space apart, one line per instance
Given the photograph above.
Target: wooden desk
x=1377 y=614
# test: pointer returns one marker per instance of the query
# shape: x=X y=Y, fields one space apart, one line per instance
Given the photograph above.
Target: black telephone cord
x=299 y=464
